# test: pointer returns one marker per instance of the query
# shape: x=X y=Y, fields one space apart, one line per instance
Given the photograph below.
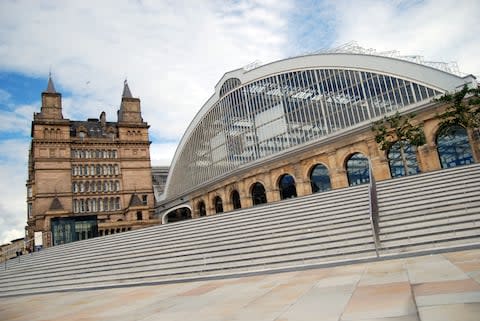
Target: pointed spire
x=126 y=91
x=50 y=86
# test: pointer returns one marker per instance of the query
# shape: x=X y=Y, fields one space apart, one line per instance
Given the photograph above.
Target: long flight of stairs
x=327 y=227
x=428 y=211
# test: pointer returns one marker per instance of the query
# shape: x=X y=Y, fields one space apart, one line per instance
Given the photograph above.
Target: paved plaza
x=429 y=288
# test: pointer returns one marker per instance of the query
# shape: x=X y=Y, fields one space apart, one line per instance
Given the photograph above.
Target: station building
x=303 y=125
x=87 y=178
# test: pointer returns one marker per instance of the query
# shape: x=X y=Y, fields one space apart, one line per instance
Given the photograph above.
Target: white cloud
x=161 y=153
x=445 y=30
x=172 y=52
x=17 y=120
x=13 y=174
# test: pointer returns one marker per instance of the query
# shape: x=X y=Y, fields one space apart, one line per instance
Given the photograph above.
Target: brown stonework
x=90 y=168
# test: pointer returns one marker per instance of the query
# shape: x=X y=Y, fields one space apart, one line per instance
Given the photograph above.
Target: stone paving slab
x=440 y=287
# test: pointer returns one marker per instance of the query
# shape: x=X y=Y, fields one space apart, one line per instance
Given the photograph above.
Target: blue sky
x=174 y=52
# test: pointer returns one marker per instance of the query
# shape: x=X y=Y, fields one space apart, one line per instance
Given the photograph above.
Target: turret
x=51 y=103
x=129 y=108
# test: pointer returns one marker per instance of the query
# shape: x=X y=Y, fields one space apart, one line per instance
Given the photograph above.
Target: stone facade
x=332 y=153
x=13 y=249
x=91 y=176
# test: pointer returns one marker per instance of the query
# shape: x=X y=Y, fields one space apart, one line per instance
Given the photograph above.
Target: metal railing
x=373 y=209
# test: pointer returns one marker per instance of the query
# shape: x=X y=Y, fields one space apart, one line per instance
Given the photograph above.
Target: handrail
x=373 y=208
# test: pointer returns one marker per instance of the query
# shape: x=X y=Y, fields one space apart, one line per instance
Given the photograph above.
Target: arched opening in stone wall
x=235 y=198
x=202 y=210
x=453 y=147
x=402 y=159
x=286 y=186
x=218 y=204
x=258 y=194
x=319 y=179
x=358 y=171
x=179 y=214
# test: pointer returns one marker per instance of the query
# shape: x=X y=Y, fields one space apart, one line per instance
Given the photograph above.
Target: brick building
x=88 y=178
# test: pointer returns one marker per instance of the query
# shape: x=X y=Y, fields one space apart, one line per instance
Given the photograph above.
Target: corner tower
x=136 y=166
x=129 y=107
x=51 y=103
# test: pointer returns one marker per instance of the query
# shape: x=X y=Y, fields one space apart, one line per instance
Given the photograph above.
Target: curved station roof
x=259 y=113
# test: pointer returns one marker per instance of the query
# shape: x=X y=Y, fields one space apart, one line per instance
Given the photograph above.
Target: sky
x=174 y=52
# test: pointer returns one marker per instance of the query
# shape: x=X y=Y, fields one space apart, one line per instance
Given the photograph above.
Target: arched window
x=235 y=196
x=286 y=186
x=319 y=179
x=218 y=204
x=358 y=169
x=402 y=160
x=201 y=209
x=453 y=147
x=258 y=194
x=180 y=214
x=117 y=186
x=105 y=204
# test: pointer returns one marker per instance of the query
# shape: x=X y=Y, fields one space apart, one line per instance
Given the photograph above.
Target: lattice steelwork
x=273 y=114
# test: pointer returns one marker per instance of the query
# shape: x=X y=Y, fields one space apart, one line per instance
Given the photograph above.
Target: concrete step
x=113 y=240
x=434 y=202
x=202 y=242
x=434 y=241
x=408 y=214
x=441 y=225
x=239 y=265
x=401 y=183
x=328 y=238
